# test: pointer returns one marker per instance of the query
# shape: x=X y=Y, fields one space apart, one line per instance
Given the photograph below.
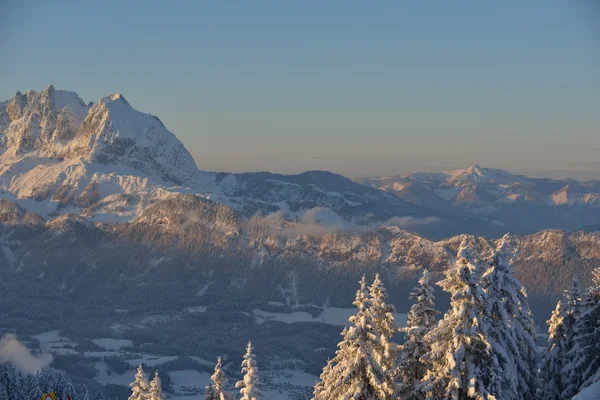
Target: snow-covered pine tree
x=84 y=395
x=46 y=380
x=573 y=298
x=16 y=387
x=550 y=379
x=320 y=391
x=420 y=320
x=65 y=389
x=3 y=393
x=463 y=364
x=139 y=387
x=33 y=387
x=585 y=354
x=355 y=371
x=512 y=326
x=383 y=318
x=249 y=384
x=155 y=392
x=216 y=388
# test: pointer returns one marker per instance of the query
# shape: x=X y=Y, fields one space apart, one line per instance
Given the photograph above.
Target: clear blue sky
x=360 y=88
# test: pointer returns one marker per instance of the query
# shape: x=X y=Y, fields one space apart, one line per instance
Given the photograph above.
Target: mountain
x=190 y=242
x=517 y=203
x=107 y=161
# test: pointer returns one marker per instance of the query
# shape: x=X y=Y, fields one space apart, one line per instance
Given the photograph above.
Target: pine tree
x=551 y=382
x=155 y=392
x=585 y=354
x=355 y=370
x=249 y=384
x=46 y=380
x=84 y=394
x=420 y=321
x=16 y=386
x=216 y=389
x=572 y=312
x=512 y=327
x=463 y=365
x=139 y=387
x=66 y=389
x=3 y=393
x=383 y=318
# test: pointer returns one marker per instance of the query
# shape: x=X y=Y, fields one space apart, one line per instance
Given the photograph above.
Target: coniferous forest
x=482 y=348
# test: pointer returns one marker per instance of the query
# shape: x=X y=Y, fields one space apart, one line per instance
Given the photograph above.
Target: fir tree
x=16 y=387
x=33 y=387
x=585 y=354
x=551 y=382
x=216 y=389
x=420 y=321
x=84 y=394
x=155 y=392
x=3 y=393
x=572 y=312
x=355 y=370
x=139 y=387
x=66 y=389
x=512 y=326
x=463 y=365
x=383 y=318
x=249 y=384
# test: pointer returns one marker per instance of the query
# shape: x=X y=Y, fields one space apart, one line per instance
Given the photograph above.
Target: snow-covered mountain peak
x=478 y=175
x=516 y=202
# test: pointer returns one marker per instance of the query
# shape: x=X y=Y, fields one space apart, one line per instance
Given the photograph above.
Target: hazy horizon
x=354 y=89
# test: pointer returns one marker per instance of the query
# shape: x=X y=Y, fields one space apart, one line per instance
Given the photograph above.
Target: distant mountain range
x=515 y=202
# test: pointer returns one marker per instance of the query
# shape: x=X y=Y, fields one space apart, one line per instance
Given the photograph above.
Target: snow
x=195 y=309
x=105 y=375
x=591 y=392
x=113 y=344
x=330 y=315
x=52 y=342
x=150 y=359
x=10 y=256
x=190 y=383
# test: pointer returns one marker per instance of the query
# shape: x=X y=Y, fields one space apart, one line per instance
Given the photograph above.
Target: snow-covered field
x=190 y=384
x=589 y=393
x=330 y=315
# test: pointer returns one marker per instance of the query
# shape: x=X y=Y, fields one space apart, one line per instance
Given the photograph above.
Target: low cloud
x=407 y=222
x=14 y=352
x=321 y=221
x=315 y=221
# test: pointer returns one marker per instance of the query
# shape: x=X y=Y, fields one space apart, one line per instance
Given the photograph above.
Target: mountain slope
x=516 y=202
x=192 y=241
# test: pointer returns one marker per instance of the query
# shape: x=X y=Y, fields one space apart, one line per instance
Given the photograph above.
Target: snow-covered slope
x=518 y=203
x=104 y=160
x=591 y=392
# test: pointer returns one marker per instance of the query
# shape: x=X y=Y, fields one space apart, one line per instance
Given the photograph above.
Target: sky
x=359 y=88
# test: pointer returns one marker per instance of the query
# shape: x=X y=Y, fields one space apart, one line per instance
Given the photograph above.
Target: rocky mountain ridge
x=515 y=202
